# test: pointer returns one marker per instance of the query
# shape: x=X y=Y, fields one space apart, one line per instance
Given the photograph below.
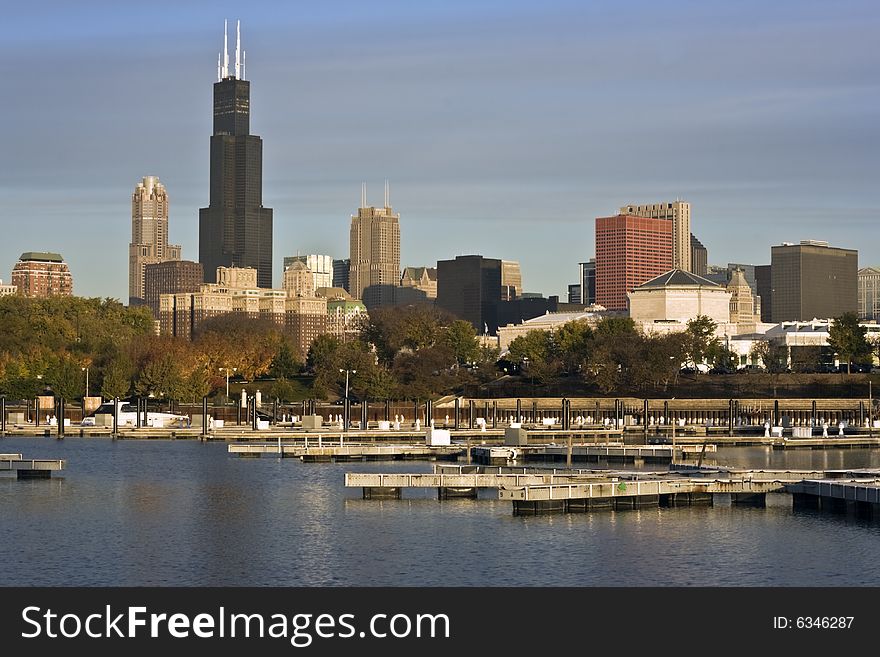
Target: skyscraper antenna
x=243 y=59
x=225 y=53
x=219 y=65
x=363 y=195
x=238 y=50
x=387 y=194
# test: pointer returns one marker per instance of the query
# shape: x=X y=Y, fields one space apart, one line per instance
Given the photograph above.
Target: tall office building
x=869 y=293
x=149 y=236
x=679 y=213
x=40 y=274
x=469 y=287
x=812 y=280
x=321 y=267
x=584 y=291
x=587 y=278
x=699 y=257
x=235 y=230
x=375 y=252
x=744 y=306
x=763 y=289
x=340 y=273
x=630 y=250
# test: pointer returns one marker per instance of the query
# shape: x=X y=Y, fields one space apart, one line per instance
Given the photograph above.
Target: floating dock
x=30 y=468
x=533 y=491
x=858 y=495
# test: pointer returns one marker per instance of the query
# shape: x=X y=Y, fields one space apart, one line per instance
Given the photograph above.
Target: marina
x=190 y=507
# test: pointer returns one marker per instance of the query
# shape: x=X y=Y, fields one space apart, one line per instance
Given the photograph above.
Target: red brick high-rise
x=630 y=250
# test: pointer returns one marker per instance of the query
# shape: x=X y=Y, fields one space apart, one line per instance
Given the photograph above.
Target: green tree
x=67 y=379
x=379 y=383
x=283 y=390
x=285 y=364
x=701 y=344
x=424 y=374
x=848 y=339
x=574 y=340
x=322 y=352
x=117 y=376
x=461 y=339
x=661 y=357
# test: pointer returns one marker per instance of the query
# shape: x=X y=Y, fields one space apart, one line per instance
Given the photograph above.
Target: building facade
x=812 y=280
x=374 y=242
x=41 y=274
x=304 y=320
x=869 y=293
x=676 y=297
x=321 y=267
x=764 y=290
x=629 y=251
x=469 y=287
x=7 y=290
x=341 y=274
x=587 y=281
x=511 y=280
x=744 y=306
x=345 y=317
x=298 y=310
x=298 y=280
x=149 y=235
x=699 y=257
x=677 y=212
x=170 y=277
x=235 y=230
x=423 y=279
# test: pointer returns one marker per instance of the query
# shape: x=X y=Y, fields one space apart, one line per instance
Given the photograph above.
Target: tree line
x=414 y=352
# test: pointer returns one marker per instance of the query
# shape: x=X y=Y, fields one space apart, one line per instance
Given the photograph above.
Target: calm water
x=154 y=513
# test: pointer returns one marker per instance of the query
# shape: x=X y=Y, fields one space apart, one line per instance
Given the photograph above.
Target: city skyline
x=504 y=129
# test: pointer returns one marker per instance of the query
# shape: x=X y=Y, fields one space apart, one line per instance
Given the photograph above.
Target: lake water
x=185 y=513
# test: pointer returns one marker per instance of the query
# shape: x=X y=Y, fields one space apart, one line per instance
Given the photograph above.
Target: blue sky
x=505 y=128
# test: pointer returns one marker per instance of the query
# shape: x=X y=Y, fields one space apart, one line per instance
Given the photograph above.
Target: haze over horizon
x=504 y=128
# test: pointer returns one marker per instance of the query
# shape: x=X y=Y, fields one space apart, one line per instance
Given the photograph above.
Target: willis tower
x=235 y=230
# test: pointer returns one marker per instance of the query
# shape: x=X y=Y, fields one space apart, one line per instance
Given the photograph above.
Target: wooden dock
x=384 y=486
x=344 y=451
x=594 y=453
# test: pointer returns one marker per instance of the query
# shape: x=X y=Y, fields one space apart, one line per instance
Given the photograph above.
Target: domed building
x=676 y=297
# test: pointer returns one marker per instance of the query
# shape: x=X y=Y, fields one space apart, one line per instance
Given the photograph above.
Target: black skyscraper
x=235 y=230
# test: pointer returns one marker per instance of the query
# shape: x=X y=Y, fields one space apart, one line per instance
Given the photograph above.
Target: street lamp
x=86 y=370
x=234 y=369
x=346 y=379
